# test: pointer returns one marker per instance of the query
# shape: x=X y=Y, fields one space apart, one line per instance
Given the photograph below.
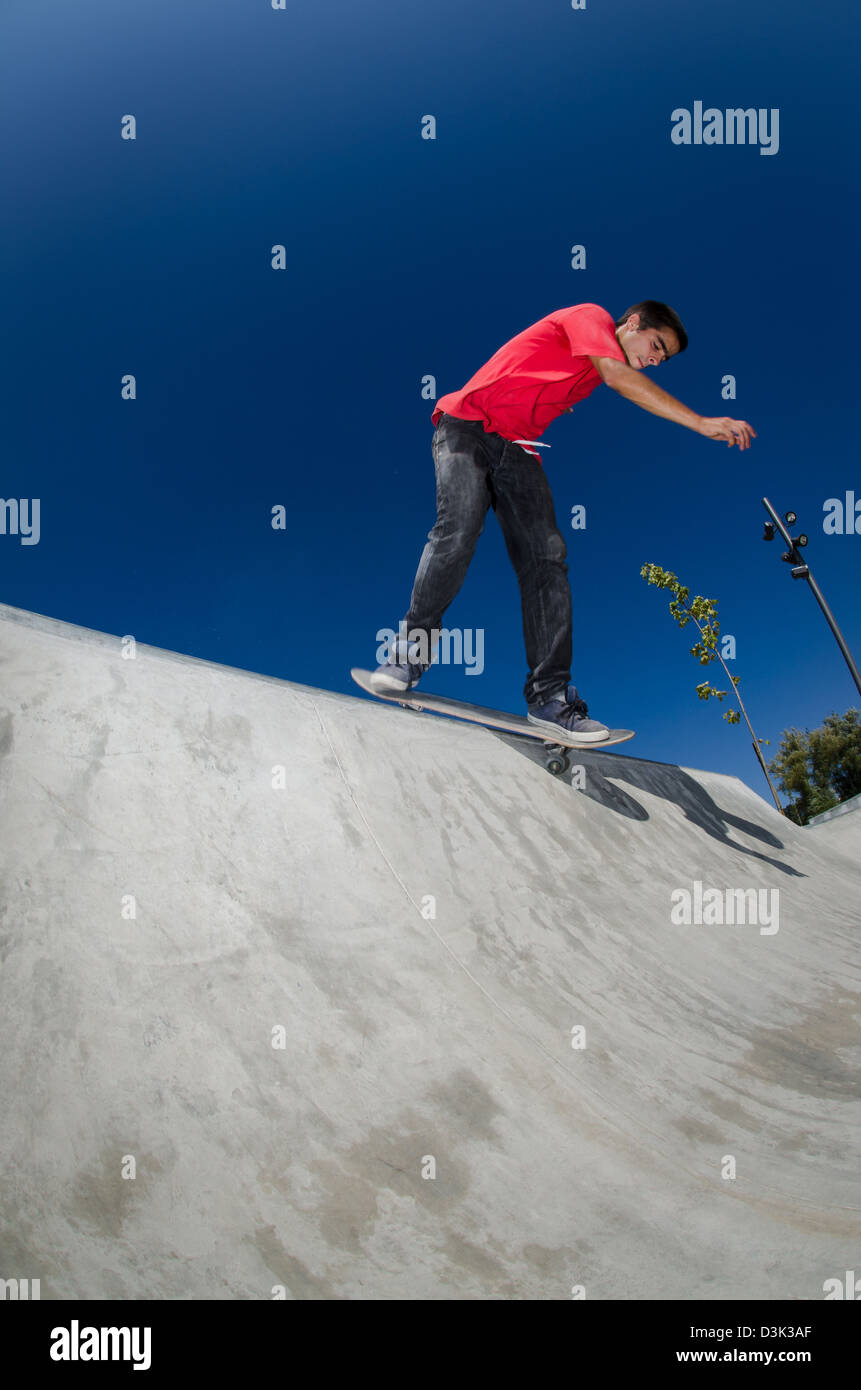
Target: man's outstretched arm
x=636 y=387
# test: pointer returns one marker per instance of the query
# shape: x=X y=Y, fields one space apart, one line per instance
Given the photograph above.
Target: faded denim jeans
x=476 y=470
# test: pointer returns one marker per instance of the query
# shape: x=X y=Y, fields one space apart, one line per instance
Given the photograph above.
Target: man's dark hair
x=654 y=314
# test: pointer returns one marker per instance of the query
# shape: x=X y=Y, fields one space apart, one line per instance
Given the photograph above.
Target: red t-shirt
x=538 y=374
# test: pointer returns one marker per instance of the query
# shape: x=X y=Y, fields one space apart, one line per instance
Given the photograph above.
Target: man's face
x=646 y=347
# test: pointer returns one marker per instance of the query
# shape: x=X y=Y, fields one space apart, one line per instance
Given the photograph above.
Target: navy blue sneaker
x=401 y=672
x=568 y=712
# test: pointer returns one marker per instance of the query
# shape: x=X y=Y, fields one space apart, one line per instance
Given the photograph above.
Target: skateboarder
x=485 y=455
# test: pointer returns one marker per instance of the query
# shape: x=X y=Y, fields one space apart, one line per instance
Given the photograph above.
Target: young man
x=485 y=456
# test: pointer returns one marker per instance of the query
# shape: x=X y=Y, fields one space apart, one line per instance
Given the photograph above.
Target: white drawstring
x=536 y=442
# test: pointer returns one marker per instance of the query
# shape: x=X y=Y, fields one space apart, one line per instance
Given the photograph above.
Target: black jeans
x=476 y=470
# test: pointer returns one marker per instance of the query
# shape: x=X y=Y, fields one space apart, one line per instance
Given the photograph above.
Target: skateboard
x=557 y=746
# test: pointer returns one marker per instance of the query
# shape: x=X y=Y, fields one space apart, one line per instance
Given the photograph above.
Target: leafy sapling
x=703 y=613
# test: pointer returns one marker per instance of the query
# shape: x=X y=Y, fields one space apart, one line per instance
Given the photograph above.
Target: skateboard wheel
x=557 y=764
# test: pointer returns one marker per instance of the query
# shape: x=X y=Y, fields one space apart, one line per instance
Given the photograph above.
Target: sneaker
x=401 y=672
x=568 y=712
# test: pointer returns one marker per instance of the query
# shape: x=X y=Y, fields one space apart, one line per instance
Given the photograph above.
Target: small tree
x=820 y=767
x=702 y=612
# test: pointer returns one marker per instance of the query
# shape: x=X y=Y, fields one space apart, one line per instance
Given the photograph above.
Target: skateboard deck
x=558 y=742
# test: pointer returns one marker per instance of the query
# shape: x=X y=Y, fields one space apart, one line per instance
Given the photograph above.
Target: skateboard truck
x=557 y=758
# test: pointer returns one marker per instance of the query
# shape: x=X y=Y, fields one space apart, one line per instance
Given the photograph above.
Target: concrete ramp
x=303 y=992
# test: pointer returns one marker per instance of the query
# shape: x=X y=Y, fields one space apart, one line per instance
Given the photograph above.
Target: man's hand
x=636 y=387
x=733 y=431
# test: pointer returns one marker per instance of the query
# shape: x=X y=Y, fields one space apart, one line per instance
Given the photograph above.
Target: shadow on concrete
x=659 y=779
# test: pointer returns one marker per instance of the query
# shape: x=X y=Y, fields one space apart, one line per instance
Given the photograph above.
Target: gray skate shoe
x=568 y=712
x=401 y=672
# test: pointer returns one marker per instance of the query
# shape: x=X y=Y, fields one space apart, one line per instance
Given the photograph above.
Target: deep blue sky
x=409 y=257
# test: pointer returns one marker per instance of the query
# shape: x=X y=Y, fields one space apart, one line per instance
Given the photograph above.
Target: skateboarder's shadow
x=675 y=785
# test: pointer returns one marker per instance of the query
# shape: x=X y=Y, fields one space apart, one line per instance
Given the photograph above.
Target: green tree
x=702 y=612
x=820 y=767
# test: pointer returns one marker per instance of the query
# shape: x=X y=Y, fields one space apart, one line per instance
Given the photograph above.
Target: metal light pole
x=800 y=570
